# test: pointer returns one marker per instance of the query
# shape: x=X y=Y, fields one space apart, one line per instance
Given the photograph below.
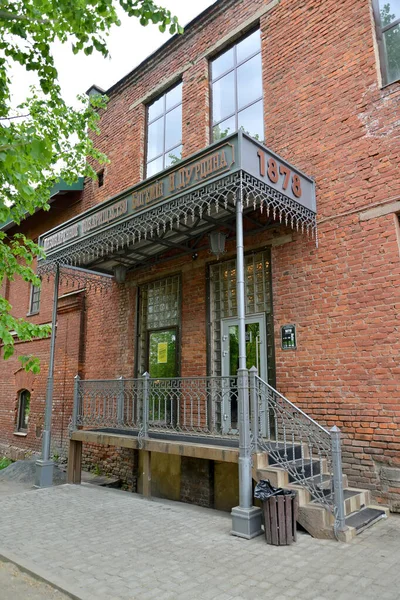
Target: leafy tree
x=44 y=139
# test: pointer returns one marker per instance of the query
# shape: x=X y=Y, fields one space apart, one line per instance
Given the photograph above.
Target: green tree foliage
x=44 y=139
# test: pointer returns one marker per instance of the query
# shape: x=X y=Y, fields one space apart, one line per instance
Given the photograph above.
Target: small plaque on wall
x=288 y=337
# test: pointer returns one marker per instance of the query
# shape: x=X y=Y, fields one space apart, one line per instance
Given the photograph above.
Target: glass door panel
x=256 y=356
x=162 y=353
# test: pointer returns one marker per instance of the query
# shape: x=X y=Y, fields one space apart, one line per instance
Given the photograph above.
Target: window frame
x=35 y=289
x=379 y=31
x=163 y=116
x=235 y=67
x=21 y=413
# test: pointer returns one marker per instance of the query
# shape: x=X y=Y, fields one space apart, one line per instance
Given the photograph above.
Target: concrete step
x=365 y=518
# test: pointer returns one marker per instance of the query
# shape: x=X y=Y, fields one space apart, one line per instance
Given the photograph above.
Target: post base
x=44 y=473
x=246 y=522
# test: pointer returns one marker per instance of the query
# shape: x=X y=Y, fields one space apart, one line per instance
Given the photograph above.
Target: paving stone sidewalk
x=102 y=544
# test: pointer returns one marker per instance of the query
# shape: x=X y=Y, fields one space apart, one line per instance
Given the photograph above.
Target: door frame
x=225 y=359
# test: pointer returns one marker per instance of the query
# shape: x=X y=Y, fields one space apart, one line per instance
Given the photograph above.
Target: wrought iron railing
x=196 y=406
x=295 y=442
x=207 y=407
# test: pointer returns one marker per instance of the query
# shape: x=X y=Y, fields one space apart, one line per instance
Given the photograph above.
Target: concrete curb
x=40 y=574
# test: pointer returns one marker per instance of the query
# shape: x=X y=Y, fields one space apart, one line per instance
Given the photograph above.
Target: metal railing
x=207 y=407
x=196 y=406
x=295 y=442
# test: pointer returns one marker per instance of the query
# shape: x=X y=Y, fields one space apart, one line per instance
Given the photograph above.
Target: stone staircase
x=313 y=515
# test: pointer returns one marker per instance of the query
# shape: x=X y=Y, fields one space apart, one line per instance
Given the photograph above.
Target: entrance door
x=256 y=356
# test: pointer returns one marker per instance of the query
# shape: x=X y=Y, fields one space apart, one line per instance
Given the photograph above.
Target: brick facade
x=324 y=112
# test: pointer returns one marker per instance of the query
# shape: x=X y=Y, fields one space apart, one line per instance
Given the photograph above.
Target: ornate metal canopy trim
x=159 y=209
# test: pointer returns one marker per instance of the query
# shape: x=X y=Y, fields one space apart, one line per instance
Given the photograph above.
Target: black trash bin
x=280 y=513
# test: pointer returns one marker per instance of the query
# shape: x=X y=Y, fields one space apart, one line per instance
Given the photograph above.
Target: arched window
x=24 y=400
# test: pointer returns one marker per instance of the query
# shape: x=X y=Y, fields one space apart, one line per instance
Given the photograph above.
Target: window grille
x=387 y=23
x=164 y=131
x=258 y=299
x=236 y=82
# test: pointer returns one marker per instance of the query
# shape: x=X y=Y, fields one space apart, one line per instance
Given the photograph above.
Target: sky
x=128 y=45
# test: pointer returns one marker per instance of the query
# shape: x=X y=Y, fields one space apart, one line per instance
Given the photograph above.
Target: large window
x=24 y=399
x=164 y=131
x=387 y=20
x=236 y=79
x=159 y=327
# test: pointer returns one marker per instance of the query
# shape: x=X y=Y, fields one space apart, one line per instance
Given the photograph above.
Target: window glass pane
x=223 y=129
x=154 y=166
x=223 y=97
x=162 y=355
x=249 y=81
x=24 y=406
x=222 y=63
x=174 y=96
x=155 y=139
x=156 y=108
x=173 y=127
x=251 y=121
x=173 y=156
x=392 y=45
x=248 y=46
x=389 y=10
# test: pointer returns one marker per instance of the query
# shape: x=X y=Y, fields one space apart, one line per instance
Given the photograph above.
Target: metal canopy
x=176 y=208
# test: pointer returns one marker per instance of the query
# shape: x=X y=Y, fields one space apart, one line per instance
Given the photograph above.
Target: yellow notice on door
x=162 y=352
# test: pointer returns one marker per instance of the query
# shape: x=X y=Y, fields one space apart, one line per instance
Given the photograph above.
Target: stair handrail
x=296 y=436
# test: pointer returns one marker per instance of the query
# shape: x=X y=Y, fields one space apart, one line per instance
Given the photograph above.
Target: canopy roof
x=182 y=203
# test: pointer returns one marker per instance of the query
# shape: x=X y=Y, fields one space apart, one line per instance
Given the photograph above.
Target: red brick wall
x=324 y=112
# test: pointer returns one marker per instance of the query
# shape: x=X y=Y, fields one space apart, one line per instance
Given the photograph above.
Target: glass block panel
x=223 y=97
x=224 y=299
x=250 y=45
x=222 y=64
x=249 y=81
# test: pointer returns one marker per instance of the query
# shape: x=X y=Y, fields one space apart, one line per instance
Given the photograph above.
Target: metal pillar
x=338 y=496
x=246 y=518
x=44 y=466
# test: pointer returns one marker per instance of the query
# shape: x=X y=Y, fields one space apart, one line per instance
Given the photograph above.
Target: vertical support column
x=44 y=466
x=146 y=473
x=146 y=398
x=246 y=518
x=254 y=405
x=338 y=495
x=75 y=407
x=120 y=401
x=74 y=462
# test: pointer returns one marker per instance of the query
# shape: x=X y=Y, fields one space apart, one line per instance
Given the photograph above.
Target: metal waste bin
x=280 y=513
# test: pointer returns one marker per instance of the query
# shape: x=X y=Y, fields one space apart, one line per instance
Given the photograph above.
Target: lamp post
x=44 y=466
x=246 y=518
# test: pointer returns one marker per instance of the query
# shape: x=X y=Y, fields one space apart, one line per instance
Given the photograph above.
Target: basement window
x=387 y=24
x=24 y=399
